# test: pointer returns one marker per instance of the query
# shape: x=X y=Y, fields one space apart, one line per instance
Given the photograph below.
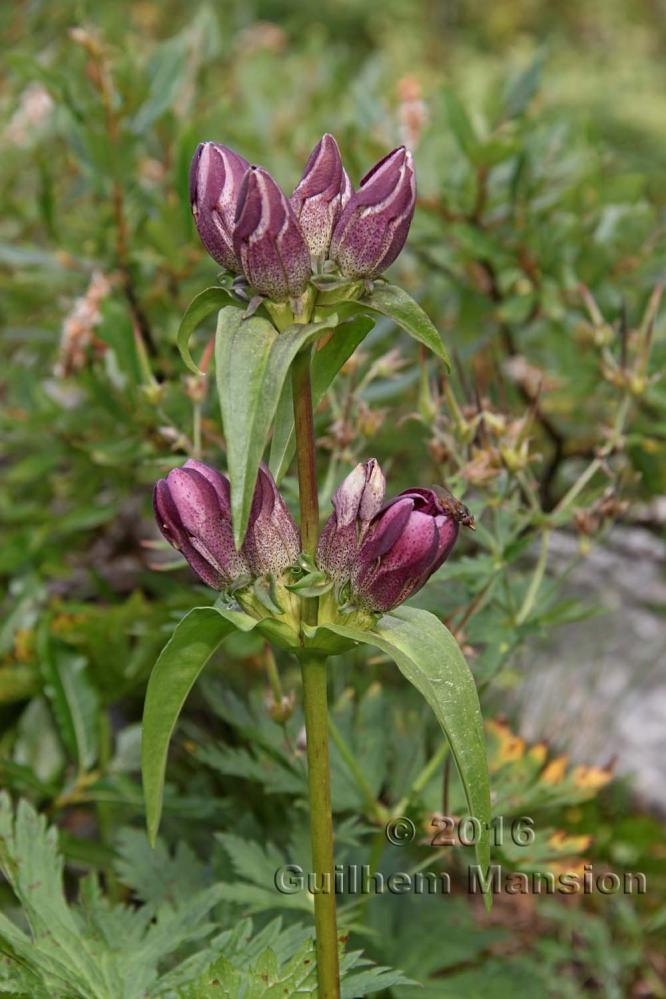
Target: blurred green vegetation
x=538 y=244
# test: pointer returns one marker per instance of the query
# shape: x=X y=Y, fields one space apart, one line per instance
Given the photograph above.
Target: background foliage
x=539 y=249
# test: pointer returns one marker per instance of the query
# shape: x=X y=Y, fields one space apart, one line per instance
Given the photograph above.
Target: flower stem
x=321 y=825
x=315 y=703
x=305 y=454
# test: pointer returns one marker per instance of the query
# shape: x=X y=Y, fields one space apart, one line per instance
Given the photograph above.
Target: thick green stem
x=315 y=701
x=321 y=825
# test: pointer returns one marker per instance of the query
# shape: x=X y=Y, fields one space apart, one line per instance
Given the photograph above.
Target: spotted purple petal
x=272 y=542
x=373 y=227
x=355 y=503
x=215 y=179
x=267 y=239
x=321 y=195
x=192 y=511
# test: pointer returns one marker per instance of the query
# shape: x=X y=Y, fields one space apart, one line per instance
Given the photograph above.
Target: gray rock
x=597 y=688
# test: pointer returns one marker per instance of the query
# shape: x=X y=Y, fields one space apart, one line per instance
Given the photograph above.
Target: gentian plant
x=301 y=288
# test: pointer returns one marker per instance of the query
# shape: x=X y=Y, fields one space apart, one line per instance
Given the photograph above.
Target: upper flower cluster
x=250 y=227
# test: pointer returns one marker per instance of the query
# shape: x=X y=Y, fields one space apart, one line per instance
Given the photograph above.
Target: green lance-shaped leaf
x=74 y=701
x=196 y=638
x=204 y=305
x=252 y=361
x=180 y=662
x=390 y=300
x=429 y=656
x=325 y=365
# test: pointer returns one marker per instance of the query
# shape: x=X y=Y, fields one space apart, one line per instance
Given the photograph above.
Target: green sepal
x=309 y=581
x=265 y=591
x=334 y=289
x=313 y=584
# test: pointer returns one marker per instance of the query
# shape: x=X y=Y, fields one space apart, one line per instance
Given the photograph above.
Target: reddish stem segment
x=305 y=452
x=313 y=669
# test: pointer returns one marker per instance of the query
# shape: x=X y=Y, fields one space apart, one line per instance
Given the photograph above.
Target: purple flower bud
x=268 y=240
x=215 y=179
x=272 y=542
x=408 y=540
x=355 y=503
x=373 y=227
x=322 y=193
x=193 y=511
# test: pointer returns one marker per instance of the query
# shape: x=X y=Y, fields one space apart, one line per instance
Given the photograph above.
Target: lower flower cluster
x=372 y=554
x=378 y=553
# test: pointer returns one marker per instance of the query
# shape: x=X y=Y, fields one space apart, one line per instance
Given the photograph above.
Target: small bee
x=453 y=508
